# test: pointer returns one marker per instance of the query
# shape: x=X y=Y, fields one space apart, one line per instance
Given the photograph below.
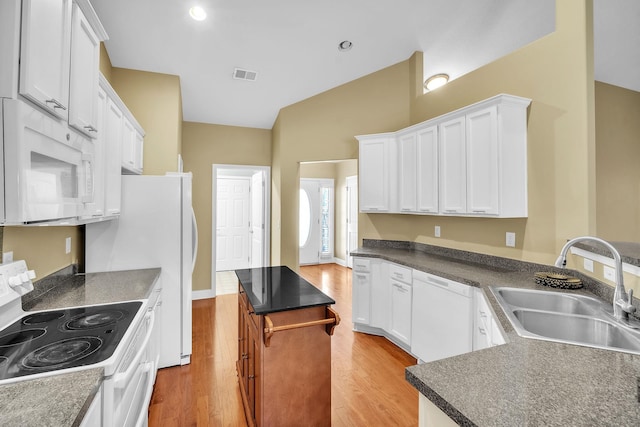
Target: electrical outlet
x=588 y=264
x=67 y=245
x=436 y=231
x=609 y=273
x=7 y=257
x=510 y=239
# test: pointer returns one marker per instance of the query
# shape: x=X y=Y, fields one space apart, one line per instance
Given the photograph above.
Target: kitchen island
x=284 y=348
x=525 y=381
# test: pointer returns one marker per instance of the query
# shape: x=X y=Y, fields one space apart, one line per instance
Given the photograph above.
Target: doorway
x=316 y=216
x=352 y=217
x=240 y=222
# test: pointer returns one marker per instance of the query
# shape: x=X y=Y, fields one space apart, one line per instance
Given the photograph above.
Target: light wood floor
x=368 y=385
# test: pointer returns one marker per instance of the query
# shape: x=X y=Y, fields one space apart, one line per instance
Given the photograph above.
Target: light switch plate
x=67 y=245
x=588 y=264
x=510 y=239
x=609 y=273
x=7 y=257
x=436 y=231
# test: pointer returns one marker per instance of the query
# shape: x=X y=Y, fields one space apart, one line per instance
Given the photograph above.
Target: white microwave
x=47 y=176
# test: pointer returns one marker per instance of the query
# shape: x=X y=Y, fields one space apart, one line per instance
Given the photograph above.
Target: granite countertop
x=525 y=381
x=273 y=289
x=61 y=400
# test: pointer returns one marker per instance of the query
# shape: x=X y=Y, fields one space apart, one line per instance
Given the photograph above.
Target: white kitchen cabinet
x=486 y=331
x=96 y=209
x=418 y=170
x=45 y=51
x=453 y=167
x=470 y=162
x=377 y=173
x=132 y=147
x=83 y=86
x=427 y=169
x=361 y=291
x=407 y=172
x=113 y=146
x=400 y=279
x=400 y=321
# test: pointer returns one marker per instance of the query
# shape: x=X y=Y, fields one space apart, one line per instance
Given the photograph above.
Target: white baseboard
x=203 y=294
x=341 y=262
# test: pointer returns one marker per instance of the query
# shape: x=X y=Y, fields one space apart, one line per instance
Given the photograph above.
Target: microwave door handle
x=194 y=240
x=121 y=379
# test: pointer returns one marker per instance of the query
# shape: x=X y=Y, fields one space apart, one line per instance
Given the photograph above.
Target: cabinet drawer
x=361 y=264
x=402 y=274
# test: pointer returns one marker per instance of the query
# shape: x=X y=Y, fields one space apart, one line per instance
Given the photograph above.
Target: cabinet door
x=113 y=162
x=361 y=299
x=374 y=175
x=99 y=175
x=427 y=170
x=407 y=173
x=452 y=167
x=482 y=162
x=401 y=311
x=253 y=369
x=44 y=54
x=85 y=57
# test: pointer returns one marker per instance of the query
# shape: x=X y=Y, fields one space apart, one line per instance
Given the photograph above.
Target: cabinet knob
x=251 y=377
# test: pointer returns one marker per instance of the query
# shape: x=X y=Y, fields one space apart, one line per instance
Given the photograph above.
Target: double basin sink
x=566 y=318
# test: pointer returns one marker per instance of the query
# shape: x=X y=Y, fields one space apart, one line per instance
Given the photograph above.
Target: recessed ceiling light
x=436 y=81
x=345 y=45
x=198 y=13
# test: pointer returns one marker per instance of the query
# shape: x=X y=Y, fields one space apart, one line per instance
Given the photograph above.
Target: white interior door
x=232 y=225
x=309 y=215
x=352 y=218
x=257 y=219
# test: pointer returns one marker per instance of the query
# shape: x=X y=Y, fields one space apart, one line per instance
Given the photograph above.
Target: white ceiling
x=293 y=44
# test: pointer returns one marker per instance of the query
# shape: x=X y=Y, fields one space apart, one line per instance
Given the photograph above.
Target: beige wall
x=155 y=100
x=618 y=163
x=555 y=71
x=323 y=128
x=203 y=146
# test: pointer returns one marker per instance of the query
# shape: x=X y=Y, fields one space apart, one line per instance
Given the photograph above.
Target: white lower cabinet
x=361 y=300
x=429 y=316
x=400 y=325
x=486 y=331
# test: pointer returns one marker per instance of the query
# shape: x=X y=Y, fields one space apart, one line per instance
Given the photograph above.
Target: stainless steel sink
x=567 y=318
x=549 y=301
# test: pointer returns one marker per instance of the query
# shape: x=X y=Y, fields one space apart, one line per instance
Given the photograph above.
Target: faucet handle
x=630 y=308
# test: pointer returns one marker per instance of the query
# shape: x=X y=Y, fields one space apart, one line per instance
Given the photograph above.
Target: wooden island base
x=284 y=365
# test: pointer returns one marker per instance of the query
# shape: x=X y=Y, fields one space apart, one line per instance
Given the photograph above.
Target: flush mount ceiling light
x=345 y=45
x=198 y=13
x=436 y=81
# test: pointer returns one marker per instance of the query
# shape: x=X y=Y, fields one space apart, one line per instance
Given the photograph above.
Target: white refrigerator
x=156 y=228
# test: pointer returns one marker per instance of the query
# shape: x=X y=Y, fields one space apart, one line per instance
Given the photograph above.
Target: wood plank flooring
x=368 y=385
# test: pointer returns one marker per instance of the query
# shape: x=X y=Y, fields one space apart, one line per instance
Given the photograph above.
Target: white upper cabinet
x=44 y=57
x=113 y=160
x=427 y=170
x=377 y=173
x=132 y=147
x=470 y=162
x=407 y=172
x=85 y=60
x=453 y=167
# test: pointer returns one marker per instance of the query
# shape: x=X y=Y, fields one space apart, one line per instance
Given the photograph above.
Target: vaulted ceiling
x=293 y=44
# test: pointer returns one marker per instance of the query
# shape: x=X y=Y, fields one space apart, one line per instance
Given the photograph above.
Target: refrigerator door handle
x=194 y=240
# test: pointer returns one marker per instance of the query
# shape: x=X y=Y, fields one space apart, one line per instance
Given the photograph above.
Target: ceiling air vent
x=240 y=74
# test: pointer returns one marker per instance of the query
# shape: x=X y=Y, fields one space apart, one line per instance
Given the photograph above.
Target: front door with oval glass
x=316 y=215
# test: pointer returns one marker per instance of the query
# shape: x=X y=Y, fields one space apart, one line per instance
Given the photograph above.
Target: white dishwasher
x=441 y=317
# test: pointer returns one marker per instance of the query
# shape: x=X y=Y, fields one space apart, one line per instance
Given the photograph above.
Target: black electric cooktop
x=52 y=340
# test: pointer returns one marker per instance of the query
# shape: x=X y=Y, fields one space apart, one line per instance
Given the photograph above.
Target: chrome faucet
x=622 y=302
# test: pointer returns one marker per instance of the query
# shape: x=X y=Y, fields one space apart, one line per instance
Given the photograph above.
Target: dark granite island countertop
x=274 y=289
